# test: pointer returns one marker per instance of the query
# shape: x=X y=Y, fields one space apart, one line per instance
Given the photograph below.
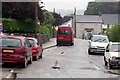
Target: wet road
x=74 y=62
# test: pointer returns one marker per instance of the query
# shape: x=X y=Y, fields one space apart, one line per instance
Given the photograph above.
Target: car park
x=112 y=55
x=15 y=49
x=37 y=48
x=98 y=44
x=65 y=35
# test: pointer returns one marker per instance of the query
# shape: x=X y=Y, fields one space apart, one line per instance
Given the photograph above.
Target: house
x=68 y=23
x=109 y=20
x=87 y=23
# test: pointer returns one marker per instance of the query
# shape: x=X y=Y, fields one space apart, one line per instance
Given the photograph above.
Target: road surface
x=73 y=62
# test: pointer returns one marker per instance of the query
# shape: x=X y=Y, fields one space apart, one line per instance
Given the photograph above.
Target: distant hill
x=68 y=12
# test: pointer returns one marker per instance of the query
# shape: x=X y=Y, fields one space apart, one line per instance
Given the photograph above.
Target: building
x=68 y=23
x=87 y=23
x=109 y=20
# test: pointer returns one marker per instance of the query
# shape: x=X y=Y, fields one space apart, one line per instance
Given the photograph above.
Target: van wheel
x=106 y=63
x=58 y=44
x=110 y=66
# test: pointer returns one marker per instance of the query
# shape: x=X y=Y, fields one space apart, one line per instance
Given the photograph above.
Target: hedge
x=12 y=25
x=15 y=26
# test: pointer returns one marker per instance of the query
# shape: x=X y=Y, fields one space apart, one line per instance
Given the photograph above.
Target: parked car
x=15 y=49
x=37 y=48
x=98 y=44
x=65 y=35
x=112 y=55
x=3 y=34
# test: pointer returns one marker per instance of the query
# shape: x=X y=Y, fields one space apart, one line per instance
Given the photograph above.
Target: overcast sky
x=66 y=4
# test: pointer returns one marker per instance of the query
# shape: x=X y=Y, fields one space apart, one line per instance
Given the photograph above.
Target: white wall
x=80 y=28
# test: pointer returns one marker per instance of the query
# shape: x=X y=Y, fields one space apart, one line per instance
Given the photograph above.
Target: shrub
x=44 y=29
x=12 y=26
x=114 y=33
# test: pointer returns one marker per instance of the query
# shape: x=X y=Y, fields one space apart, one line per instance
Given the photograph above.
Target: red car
x=37 y=49
x=15 y=49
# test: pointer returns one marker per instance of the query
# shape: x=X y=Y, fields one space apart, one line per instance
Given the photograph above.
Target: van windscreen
x=67 y=32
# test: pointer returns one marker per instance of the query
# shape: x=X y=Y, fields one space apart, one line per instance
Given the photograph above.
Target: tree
x=49 y=18
x=58 y=19
x=114 y=32
x=21 y=11
x=96 y=8
x=67 y=18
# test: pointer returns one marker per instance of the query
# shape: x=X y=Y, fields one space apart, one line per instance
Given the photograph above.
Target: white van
x=112 y=55
x=98 y=44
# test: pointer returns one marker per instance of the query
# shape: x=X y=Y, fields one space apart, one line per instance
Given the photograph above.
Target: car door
x=28 y=48
x=39 y=47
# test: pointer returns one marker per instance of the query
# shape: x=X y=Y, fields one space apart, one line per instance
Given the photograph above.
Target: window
x=67 y=32
x=100 y=39
x=31 y=42
x=10 y=42
x=27 y=43
x=115 y=47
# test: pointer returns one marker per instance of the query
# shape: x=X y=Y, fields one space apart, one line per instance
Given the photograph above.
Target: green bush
x=12 y=25
x=114 y=33
x=45 y=29
x=15 y=26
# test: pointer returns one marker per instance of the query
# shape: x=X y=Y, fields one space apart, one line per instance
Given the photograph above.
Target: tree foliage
x=58 y=19
x=96 y=8
x=66 y=18
x=114 y=33
x=49 y=19
x=22 y=11
x=12 y=26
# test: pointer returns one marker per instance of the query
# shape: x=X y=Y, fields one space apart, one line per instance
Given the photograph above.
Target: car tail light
x=34 y=49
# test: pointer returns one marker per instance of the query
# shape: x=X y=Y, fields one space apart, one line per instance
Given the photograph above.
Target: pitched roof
x=89 y=18
x=110 y=18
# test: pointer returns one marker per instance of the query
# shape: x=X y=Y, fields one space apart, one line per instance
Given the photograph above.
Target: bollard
x=56 y=66
x=12 y=75
x=62 y=52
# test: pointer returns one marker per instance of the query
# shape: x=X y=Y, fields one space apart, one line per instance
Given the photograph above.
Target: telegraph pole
x=75 y=20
